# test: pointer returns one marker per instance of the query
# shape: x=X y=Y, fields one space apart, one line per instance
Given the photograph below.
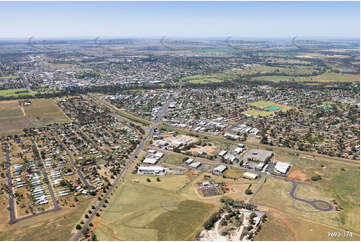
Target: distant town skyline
x=179 y=19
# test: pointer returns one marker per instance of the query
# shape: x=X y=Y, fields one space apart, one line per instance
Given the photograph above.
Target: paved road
x=45 y=174
x=149 y=133
x=10 y=184
x=91 y=141
x=73 y=163
x=37 y=214
x=313 y=203
x=13 y=219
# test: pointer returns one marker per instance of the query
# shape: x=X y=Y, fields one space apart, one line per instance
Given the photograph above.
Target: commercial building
x=219 y=169
x=152 y=170
x=282 y=167
x=189 y=161
x=238 y=150
x=152 y=157
x=195 y=164
x=222 y=153
x=250 y=175
x=258 y=155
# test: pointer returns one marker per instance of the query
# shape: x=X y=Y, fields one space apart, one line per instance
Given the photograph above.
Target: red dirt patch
x=298 y=175
x=206 y=149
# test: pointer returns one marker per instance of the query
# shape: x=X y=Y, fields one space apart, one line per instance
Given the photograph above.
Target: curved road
x=313 y=203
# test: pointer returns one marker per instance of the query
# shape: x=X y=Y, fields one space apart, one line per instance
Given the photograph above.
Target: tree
x=94 y=237
x=248 y=191
x=78 y=227
x=148 y=180
x=158 y=179
x=316 y=178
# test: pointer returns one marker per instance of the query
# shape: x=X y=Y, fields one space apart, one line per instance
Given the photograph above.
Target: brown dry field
x=298 y=175
x=13 y=118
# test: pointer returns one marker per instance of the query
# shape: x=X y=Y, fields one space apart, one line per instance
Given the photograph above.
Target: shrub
x=316 y=178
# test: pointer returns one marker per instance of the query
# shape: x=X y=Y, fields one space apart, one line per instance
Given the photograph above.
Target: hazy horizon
x=258 y=20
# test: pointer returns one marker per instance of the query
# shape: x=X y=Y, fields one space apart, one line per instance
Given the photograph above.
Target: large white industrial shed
x=219 y=169
x=282 y=167
x=150 y=160
x=155 y=170
x=250 y=175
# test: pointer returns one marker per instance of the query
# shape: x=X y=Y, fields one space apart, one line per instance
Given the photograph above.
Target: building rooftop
x=258 y=155
x=282 y=167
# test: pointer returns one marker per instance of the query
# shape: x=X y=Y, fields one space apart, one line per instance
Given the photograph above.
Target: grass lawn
x=16 y=92
x=174 y=158
x=24 y=92
x=212 y=78
x=268 y=108
x=265 y=104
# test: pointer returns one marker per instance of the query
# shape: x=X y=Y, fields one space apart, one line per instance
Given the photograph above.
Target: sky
x=179 y=19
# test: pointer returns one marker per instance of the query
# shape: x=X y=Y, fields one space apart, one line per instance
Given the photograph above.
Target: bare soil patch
x=298 y=175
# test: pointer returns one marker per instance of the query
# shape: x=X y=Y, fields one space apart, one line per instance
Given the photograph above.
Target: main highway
x=148 y=134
